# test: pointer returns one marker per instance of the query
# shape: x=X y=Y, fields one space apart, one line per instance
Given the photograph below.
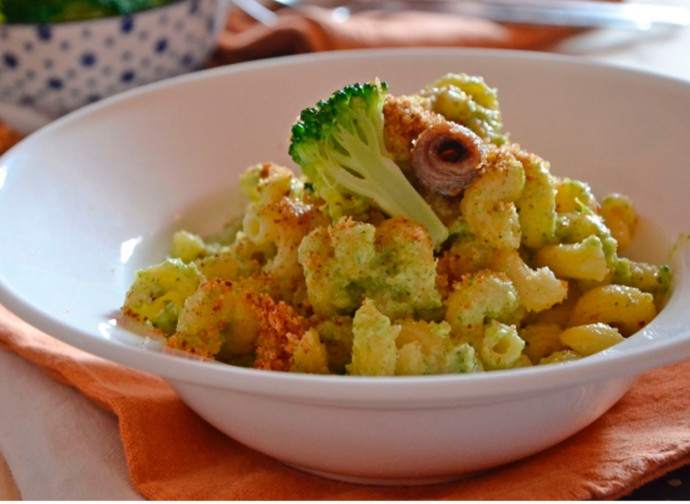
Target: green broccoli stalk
x=340 y=148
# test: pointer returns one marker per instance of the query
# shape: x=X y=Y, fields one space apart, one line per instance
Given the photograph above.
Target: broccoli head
x=339 y=145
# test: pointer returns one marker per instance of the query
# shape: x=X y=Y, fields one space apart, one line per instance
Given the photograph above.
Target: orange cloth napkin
x=172 y=454
x=314 y=30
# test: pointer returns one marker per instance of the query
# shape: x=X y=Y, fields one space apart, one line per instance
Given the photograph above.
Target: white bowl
x=56 y=68
x=94 y=196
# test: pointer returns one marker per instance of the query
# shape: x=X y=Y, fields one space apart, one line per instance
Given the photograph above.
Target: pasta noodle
x=489 y=202
x=627 y=308
x=620 y=217
x=589 y=339
x=501 y=346
x=582 y=261
x=537 y=203
x=501 y=265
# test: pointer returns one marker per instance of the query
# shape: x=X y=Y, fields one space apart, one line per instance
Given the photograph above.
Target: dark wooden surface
x=674 y=486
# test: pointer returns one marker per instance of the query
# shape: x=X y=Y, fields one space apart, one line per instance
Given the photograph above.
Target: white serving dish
x=94 y=196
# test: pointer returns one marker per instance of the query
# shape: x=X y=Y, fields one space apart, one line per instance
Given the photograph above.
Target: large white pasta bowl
x=94 y=196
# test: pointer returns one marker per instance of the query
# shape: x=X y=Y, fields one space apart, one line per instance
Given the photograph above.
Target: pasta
x=582 y=261
x=624 y=307
x=620 y=217
x=211 y=314
x=537 y=203
x=588 y=339
x=523 y=267
x=541 y=340
x=479 y=297
x=488 y=205
x=374 y=352
x=501 y=346
x=537 y=289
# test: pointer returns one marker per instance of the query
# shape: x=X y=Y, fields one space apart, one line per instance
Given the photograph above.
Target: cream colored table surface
x=59 y=446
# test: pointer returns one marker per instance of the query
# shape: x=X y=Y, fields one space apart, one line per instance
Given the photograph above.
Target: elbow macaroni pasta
x=533 y=278
x=538 y=289
x=489 y=202
x=537 y=203
x=620 y=217
x=627 y=308
x=581 y=261
x=531 y=274
x=501 y=346
x=588 y=339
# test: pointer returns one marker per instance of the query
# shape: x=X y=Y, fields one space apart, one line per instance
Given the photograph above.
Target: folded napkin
x=313 y=29
x=172 y=454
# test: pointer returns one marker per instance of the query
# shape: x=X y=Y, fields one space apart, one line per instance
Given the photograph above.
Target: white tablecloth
x=59 y=446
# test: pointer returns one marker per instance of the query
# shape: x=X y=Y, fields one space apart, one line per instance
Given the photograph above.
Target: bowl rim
x=387 y=391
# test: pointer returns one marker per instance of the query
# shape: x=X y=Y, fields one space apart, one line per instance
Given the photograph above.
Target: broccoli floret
x=339 y=145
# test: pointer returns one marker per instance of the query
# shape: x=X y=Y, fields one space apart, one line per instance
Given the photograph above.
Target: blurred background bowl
x=55 y=68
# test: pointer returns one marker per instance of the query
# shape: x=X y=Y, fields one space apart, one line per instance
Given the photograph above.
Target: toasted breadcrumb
x=405 y=118
x=281 y=329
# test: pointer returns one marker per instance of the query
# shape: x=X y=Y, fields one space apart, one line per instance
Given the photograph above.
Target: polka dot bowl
x=57 y=68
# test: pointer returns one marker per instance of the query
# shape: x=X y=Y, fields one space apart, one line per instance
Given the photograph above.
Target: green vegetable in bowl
x=56 y=11
x=339 y=144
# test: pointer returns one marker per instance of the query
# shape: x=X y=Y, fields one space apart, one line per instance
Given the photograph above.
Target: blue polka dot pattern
x=127 y=24
x=58 y=68
x=88 y=59
x=10 y=60
x=161 y=45
x=44 y=32
x=54 y=83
